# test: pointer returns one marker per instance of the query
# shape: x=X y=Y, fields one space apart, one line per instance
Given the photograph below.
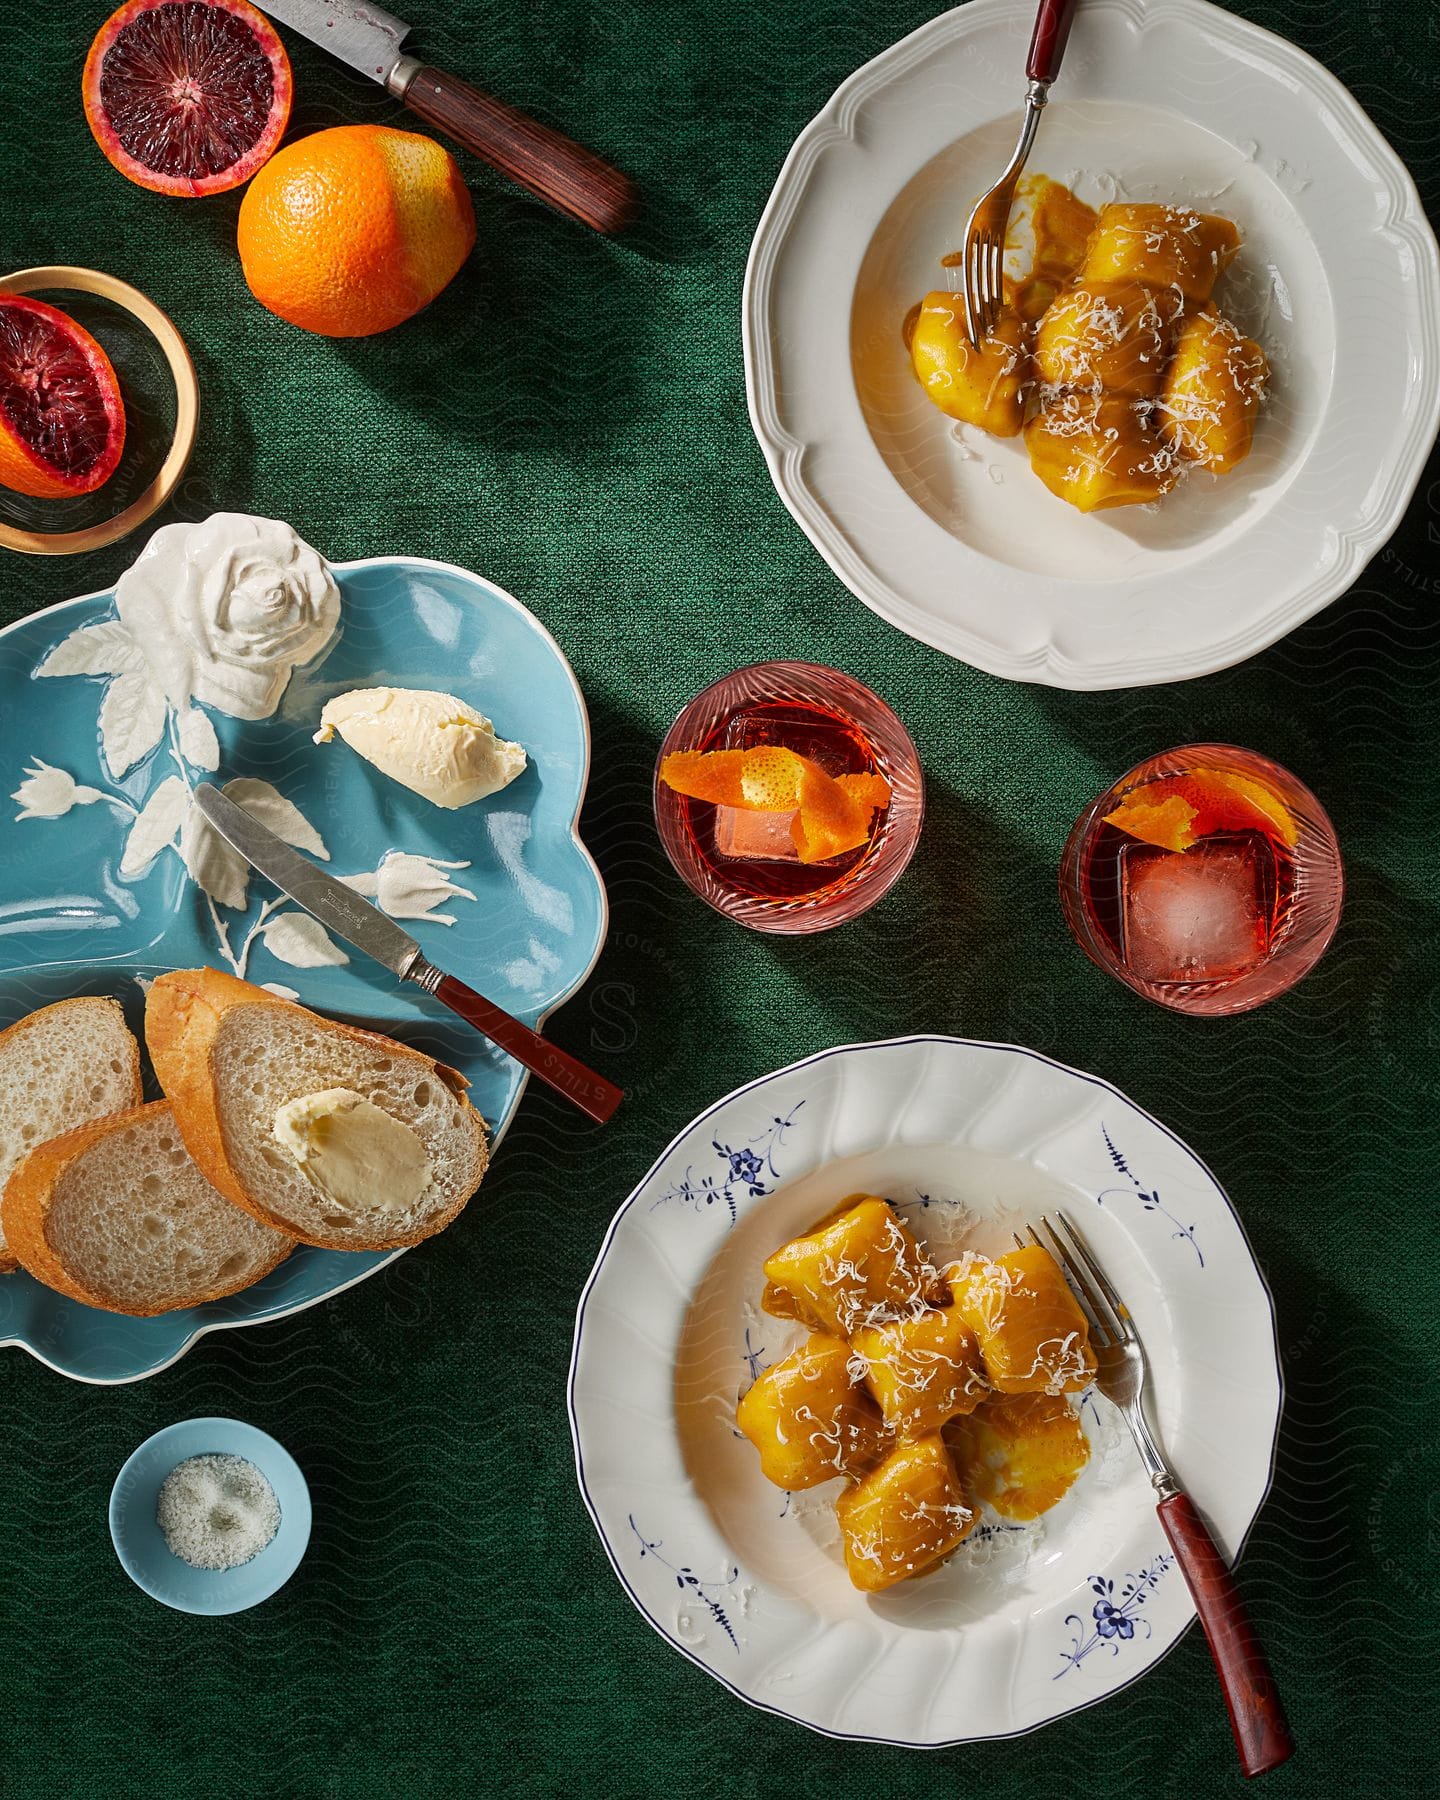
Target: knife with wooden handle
x=545 y=162
x=341 y=910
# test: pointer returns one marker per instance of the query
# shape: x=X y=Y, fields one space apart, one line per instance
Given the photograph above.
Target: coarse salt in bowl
x=140 y=1542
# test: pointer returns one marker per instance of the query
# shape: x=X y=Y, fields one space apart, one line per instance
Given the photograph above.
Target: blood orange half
x=62 y=422
x=187 y=96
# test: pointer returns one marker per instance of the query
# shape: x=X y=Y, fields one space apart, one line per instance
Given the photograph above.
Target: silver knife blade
x=338 y=908
x=367 y=37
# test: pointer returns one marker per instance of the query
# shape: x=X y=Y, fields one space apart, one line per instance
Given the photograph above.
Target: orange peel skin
x=1178 y=810
x=1233 y=796
x=1167 y=823
x=712 y=775
x=771 y=778
x=828 y=821
x=833 y=814
x=869 y=790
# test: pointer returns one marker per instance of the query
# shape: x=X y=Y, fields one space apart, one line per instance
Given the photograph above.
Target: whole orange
x=354 y=230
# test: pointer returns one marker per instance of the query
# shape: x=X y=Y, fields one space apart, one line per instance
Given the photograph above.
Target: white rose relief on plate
x=216 y=615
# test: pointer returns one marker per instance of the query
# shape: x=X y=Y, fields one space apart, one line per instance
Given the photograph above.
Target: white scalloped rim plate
x=945 y=532
x=1023 y=1624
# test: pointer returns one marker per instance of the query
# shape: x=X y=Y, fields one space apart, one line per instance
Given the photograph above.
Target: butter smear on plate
x=434 y=744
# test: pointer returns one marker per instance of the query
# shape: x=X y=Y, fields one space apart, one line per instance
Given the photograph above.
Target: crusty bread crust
x=184 y=1011
x=25 y=1209
x=9 y=1262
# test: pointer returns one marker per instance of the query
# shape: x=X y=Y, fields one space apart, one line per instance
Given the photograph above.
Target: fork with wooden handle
x=1256 y=1715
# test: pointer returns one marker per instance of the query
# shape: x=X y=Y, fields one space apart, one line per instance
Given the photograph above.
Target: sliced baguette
x=228 y=1055
x=117 y=1215
x=61 y=1067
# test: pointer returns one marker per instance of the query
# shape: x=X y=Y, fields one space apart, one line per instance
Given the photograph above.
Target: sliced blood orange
x=62 y=421
x=187 y=96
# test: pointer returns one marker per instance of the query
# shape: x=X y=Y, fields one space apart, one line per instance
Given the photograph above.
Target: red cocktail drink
x=744 y=859
x=1208 y=879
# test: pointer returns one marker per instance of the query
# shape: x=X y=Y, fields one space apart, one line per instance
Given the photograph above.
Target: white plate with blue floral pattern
x=105 y=879
x=1024 y=1623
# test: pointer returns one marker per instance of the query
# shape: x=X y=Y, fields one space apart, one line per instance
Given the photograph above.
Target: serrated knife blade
x=351 y=917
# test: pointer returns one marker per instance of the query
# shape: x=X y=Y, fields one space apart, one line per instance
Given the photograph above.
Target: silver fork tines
x=982 y=263
x=1106 y=1305
x=1120 y=1367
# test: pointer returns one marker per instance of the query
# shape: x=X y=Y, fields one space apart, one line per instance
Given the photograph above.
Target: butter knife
x=341 y=910
x=548 y=164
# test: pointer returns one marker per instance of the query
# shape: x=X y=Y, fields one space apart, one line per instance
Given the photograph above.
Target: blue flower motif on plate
x=1148 y=1197
x=747 y=1172
x=690 y=1583
x=1113 y=1619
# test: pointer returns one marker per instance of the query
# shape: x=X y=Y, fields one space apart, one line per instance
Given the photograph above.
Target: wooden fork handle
x=592 y=1093
x=1253 y=1701
x=546 y=163
x=1047 y=46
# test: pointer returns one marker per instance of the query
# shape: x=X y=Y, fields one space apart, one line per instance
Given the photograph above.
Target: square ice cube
x=748 y=836
x=1192 y=915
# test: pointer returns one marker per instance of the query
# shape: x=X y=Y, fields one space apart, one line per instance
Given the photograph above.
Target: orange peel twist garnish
x=1168 y=823
x=832 y=812
x=1178 y=810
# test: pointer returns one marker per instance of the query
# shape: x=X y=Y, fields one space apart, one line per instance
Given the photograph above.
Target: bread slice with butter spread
x=116 y=1214
x=339 y=1137
x=61 y=1067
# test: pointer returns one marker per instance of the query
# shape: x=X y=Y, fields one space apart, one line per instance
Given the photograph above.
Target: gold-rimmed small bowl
x=162 y=411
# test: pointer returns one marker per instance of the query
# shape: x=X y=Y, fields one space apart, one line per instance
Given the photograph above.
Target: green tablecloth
x=570 y=420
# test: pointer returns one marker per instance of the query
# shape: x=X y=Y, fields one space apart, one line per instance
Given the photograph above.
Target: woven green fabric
x=570 y=419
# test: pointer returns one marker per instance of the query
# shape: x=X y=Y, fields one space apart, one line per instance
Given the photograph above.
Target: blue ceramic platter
x=75 y=920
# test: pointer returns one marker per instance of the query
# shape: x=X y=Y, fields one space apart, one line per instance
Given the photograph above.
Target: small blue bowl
x=140 y=1544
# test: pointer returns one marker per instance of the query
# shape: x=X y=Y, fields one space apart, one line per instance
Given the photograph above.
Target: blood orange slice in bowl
x=187 y=96
x=62 y=421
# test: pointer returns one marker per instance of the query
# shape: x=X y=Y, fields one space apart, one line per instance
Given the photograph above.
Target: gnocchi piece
x=1212 y=392
x=1114 y=337
x=1032 y=1334
x=1160 y=247
x=1100 y=450
x=860 y=1266
x=922 y=1370
x=984 y=387
x=1060 y=226
x=809 y=1418
x=1020 y=1454
x=904 y=1517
